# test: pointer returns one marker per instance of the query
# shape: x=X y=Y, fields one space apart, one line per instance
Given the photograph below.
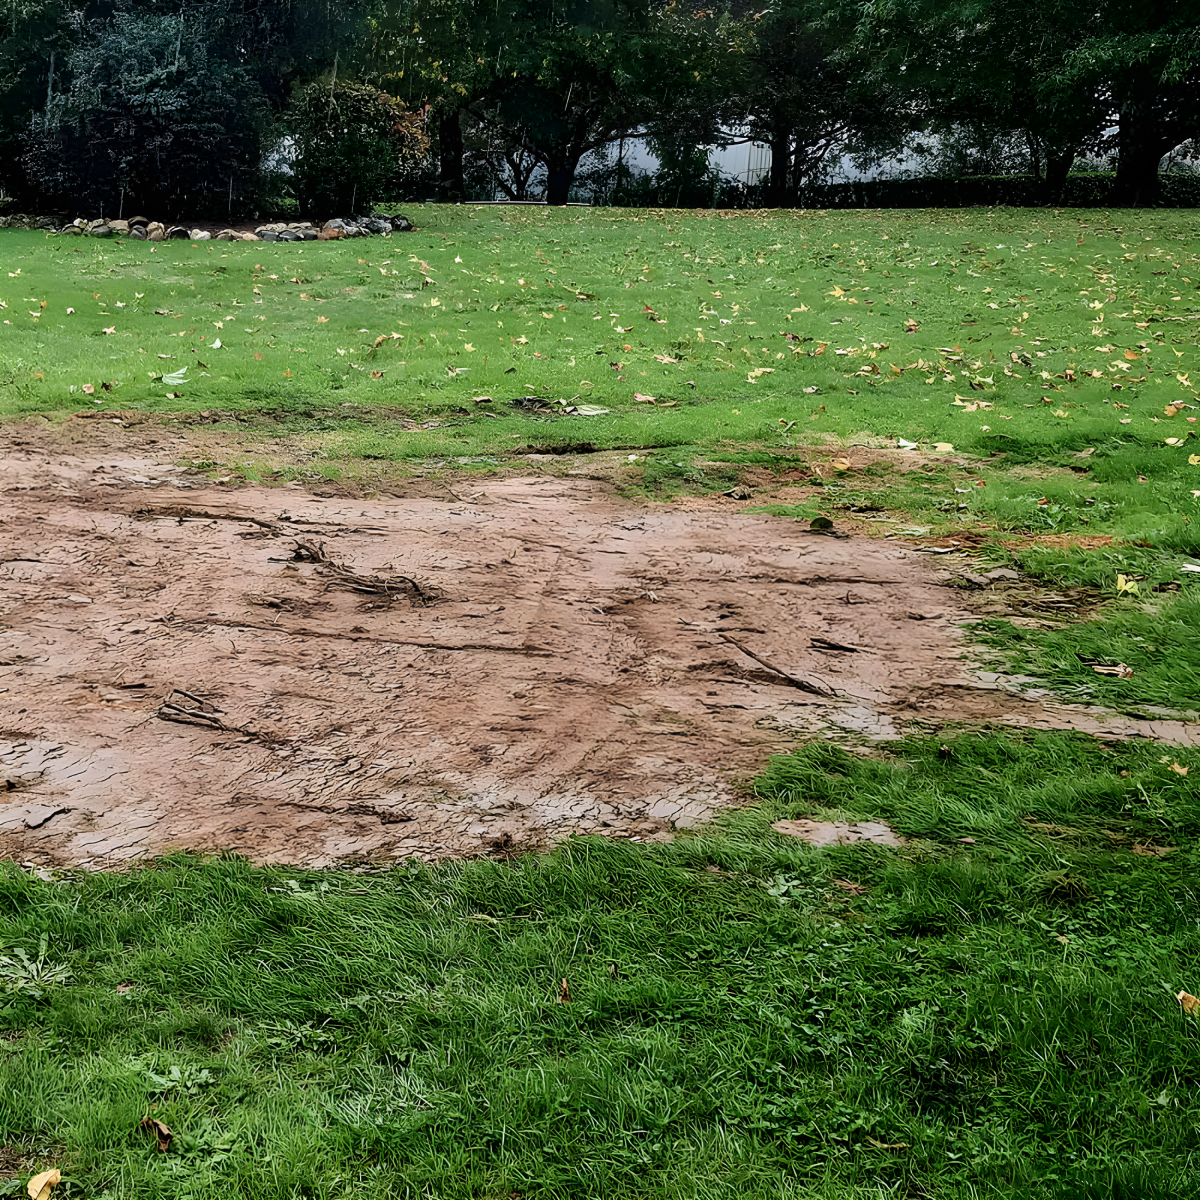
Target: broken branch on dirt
x=796 y=681
x=340 y=575
x=180 y=512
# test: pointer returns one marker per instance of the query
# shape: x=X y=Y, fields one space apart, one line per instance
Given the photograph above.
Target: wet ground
x=314 y=679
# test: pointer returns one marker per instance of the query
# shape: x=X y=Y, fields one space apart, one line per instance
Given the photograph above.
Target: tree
x=351 y=142
x=562 y=81
x=151 y=118
x=809 y=93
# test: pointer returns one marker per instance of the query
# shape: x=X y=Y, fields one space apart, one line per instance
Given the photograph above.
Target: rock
x=228 y=235
x=308 y=235
x=137 y=232
x=249 y=237
x=73 y=229
x=376 y=226
x=299 y=226
x=96 y=224
x=401 y=224
x=138 y=221
x=274 y=227
x=100 y=231
x=267 y=235
x=201 y=235
x=119 y=226
x=178 y=231
x=156 y=225
x=156 y=235
x=288 y=235
x=46 y=223
x=329 y=234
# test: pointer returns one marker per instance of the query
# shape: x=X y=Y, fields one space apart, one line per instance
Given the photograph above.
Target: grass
x=988 y=1011
x=748 y=1016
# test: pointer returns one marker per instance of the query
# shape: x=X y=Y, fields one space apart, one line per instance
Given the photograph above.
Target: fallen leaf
x=911 y=325
x=258 y=356
x=124 y=987
x=842 y=464
x=665 y=358
x=376 y=374
x=323 y=320
x=887 y=1145
x=1187 y=1002
x=564 y=993
x=855 y=889
x=87 y=389
x=160 y=1131
x=1120 y=671
x=1126 y=586
x=642 y=398
x=943 y=447
x=1170 y=410
x=759 y=372
x=1132 y=355
x=40 y=1186
x=110 y=329
x=1194 y=460
x=1178 y=769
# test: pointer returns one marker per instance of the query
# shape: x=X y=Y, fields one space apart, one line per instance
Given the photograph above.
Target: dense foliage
x=213 y=107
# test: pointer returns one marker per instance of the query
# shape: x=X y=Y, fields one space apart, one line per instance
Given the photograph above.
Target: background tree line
x=236 y=106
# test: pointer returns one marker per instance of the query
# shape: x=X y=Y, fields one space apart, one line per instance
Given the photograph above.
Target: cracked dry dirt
x=584 y=664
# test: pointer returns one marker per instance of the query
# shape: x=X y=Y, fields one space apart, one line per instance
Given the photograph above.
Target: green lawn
x=994 y=1016
x=1056 y=353
x=748 y=1016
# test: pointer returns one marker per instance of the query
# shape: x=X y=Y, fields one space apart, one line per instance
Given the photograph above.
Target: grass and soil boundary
x=595 y=417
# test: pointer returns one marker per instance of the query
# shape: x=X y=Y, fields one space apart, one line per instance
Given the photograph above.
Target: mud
x=174 y=675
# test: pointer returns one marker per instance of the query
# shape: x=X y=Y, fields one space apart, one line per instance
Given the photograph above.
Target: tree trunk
x=1058 y=166
x=1140 y=147
x=450 y=145
x=560 y=174
x=781 y=159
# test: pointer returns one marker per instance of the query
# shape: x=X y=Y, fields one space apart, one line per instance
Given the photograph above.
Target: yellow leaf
x=1194 y=460
x=1174 y=441
x=323 y=320
x=943 y=447
x=1126 y=586
x=758 y=372
x=1178 y=769
x=837 y=291
x=842 y=464
x=110 y=329
x=802 y=308
x=1188 y=1002
x=548 y=316
x=40 y=1186
x=468 y=348
x=1132 y=355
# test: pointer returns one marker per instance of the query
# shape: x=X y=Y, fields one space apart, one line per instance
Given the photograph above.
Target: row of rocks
x=141 y=229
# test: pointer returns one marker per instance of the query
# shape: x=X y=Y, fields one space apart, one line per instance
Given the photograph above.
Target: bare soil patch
x=315 y=679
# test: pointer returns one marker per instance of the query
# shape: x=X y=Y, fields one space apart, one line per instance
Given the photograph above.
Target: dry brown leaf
x=564 y=993
x=642 y=398
x=1121 y=670
x=124 y=987
x=842 y=464
x=160 y=1131
x=1149 y=850
x=87 y=389
x=1187 y=1002
x=1132 y=355
x=855 y=889
x=887 y=1145
x=1179 y=770
x=40 y=1186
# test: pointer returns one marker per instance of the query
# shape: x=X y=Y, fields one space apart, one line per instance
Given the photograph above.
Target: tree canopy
x=216 y=105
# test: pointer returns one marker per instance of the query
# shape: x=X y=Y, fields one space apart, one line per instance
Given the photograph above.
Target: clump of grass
x=747 y=1016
